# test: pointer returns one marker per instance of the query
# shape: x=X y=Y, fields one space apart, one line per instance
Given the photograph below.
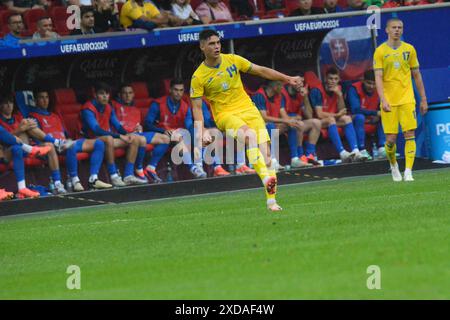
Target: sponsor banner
x=438 y=129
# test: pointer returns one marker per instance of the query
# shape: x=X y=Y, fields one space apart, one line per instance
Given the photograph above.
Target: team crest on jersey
x=339 y=52
x=225 y=86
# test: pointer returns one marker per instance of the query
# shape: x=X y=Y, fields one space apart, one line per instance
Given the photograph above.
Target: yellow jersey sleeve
x=242 y=64
x=378 y=59
x=151 y=11
x=413 y=61
x=197 y=90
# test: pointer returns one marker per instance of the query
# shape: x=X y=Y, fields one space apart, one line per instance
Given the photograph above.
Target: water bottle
x=51 y=186
x=374 y=150
x=69 y=185
x=169 y=172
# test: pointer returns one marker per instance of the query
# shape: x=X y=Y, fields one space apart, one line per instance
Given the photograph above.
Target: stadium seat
x=141 y=96
x=4 y=15
x=68 y=108
x=31 y=17
x=291 y=5
x=311 y=79
x=59 y=17
x=195 y=3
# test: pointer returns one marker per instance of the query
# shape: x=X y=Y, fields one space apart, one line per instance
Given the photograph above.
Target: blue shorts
x=148 y=135
x=79 y=145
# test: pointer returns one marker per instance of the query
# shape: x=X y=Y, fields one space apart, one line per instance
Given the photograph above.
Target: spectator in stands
x=331 y=6
x=79 y=3
x=274 y=4
x=144 y=15
x=50 y=123
x=87 y=22
x=183 y=10
x=106 y=16
x=355 y=5
x=392 y=4
x=12 y=148
x=98 y=121
x=297 y=106
x=27 y=128
x=212 y=10
x=45 y=29
x=377 y=3
x=165 y=7
x=130 y=118
x=245 y=8
x=329 y=106
x=16 y=27
x=306 y=9
x=173 y=113
x=20 y=6
x=364 y=103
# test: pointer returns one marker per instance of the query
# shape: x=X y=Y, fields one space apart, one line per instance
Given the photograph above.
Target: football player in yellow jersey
x=218 y=80
x=394 y=62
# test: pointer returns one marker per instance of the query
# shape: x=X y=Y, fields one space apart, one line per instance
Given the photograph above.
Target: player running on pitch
x=394 y=61
x=218 y=80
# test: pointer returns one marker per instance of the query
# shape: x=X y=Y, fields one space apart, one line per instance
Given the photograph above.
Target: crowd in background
x=49 y=19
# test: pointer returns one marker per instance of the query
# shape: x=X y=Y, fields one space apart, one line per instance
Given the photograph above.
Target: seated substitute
x=364 y=103
x=130 y=118
x=98 y=122
x=269 y=101
x=329 y=106
x=27 y=128
x=51 y=124
x=297 y=106
x=170 y=113
x=12 y=148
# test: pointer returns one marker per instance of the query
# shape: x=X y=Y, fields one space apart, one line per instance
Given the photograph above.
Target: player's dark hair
x=392 y=20
x=369 y=75
x=332 y=70
x=208 y=33
x=176 y=81
x=102 y=86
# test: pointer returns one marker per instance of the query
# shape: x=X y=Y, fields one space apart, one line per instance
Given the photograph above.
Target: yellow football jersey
x=396 y=65
x=222 y=85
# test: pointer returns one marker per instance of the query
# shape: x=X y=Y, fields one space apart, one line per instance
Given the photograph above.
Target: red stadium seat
x=59 y=17
x=4 y=15
x=311 y=79
x=31 y=18
x=141 y=96
x=195 y=3
x=68 y=108
x=291 y=5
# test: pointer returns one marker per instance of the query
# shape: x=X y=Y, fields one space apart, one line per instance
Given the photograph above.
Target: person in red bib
x=50 y=123
x=100 y=121
x=26 y=129
x=269 y=100
x=364 y=103
x=329 y=106
x=169 y=115
x=130 y=118
x=13 y=149
x=297 y=106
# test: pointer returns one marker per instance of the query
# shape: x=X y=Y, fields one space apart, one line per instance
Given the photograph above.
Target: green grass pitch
x=227 y=246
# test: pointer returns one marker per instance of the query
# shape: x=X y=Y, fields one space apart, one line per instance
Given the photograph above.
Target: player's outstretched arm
x=419 y=82
x=270 y=74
